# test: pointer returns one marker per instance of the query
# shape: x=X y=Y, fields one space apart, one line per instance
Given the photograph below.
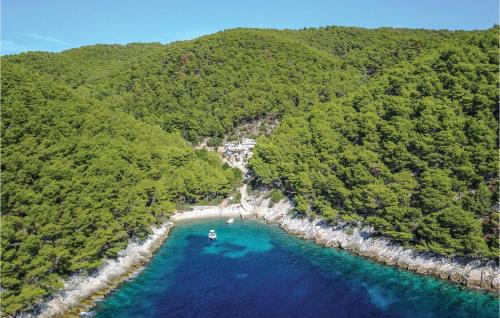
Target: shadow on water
x=256 y=270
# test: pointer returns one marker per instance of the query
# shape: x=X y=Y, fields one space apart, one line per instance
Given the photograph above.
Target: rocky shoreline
x=79 y=292
x=361 y=240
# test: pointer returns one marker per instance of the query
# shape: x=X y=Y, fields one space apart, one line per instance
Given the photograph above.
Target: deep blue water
x=258 y=270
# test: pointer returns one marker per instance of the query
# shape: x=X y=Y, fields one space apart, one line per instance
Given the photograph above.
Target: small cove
x=258 y=270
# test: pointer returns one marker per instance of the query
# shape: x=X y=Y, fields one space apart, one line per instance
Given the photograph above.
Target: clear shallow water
x=258 y=270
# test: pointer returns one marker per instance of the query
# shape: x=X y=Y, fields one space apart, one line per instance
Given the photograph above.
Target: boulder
x=444 y=275
x=474 y=278
x=321 y=241
x=456 y=277
x=332 y=243
x=495 y=283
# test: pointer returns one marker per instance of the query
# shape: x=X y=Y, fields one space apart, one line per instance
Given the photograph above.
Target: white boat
x=230 y=221
x=212 y=235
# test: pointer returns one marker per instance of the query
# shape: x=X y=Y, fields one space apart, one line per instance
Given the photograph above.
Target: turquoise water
x=258 y=270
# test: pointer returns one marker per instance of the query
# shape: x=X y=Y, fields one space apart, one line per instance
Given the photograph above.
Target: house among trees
x=238 y=151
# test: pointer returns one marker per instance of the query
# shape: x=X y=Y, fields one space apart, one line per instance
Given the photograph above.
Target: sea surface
x=257 y=270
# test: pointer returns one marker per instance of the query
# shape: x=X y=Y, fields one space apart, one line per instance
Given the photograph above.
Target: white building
x=238 y=151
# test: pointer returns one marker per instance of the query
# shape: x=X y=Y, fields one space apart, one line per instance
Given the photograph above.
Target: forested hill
x=413 y=151
x=79 y=179
x=235 y=75
x=395 y=127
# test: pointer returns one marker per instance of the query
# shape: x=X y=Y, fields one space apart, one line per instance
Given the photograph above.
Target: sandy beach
x=235 y=210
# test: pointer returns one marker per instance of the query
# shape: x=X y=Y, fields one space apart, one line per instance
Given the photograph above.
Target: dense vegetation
x=413 y=152
x=393 y=127
x=79 y=180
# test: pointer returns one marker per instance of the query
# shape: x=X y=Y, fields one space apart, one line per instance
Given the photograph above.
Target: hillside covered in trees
x=393 y=127
x=80 y=179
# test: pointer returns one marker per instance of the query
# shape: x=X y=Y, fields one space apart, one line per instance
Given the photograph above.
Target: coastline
x=361 y=240
x=80 y=292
